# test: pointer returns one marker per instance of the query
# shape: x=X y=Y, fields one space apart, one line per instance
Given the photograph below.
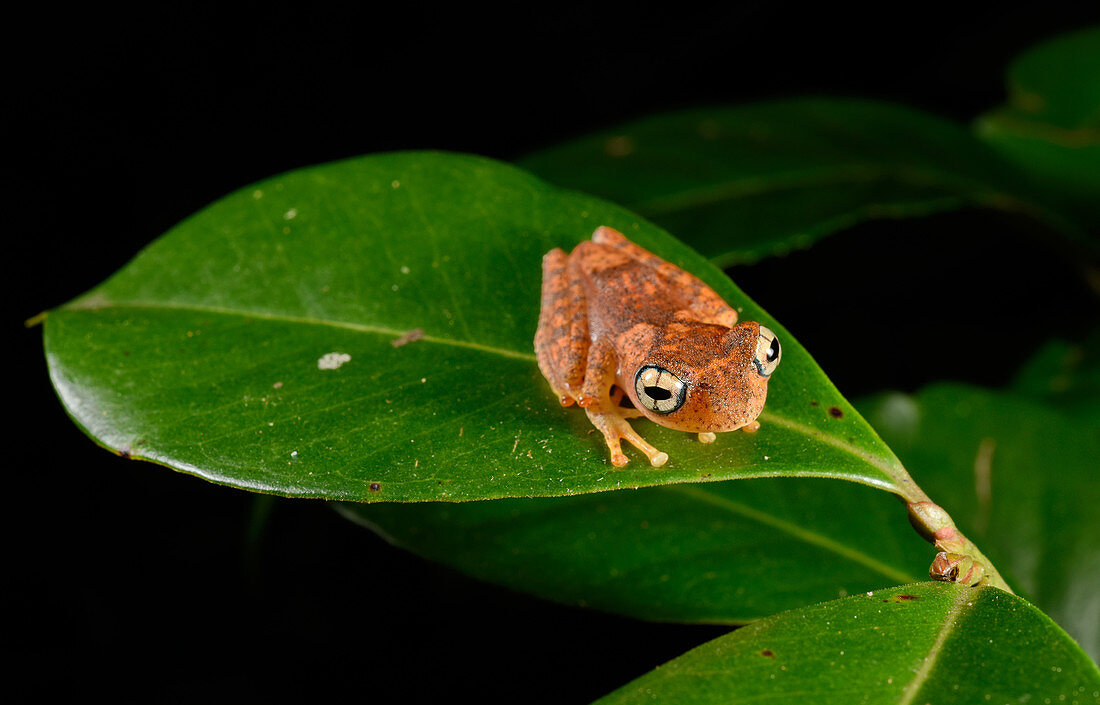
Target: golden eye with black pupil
x=768 y=352
x=659 y=390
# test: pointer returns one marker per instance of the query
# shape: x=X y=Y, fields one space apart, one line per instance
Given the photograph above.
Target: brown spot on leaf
x=767 y=653
x=375 y=487
x=902 y=598
x=835 y=412
x=813 y=403
x=410 y=337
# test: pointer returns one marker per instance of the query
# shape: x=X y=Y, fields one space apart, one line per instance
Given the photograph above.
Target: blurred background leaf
x=1050 y=127
x=1065 y=375
x=746 y=182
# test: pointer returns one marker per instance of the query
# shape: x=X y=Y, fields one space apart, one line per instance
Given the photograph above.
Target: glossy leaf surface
x=746 y=182
x=927 y=643
x=264 y=343
x=1020 y=479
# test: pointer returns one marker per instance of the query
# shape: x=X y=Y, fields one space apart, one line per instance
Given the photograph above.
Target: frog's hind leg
x=561 y=341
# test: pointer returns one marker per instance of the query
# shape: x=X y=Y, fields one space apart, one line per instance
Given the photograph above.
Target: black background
x=136 y=582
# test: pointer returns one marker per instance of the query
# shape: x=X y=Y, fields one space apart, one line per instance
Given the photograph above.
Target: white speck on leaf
x=290 y=214
x=332 y=361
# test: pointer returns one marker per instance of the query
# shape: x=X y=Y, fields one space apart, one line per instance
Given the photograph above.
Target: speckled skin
x=611 y=307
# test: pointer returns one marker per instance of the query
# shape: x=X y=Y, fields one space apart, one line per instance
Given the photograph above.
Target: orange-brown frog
x=616 y=319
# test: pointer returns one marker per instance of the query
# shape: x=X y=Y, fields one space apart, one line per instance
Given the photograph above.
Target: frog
x=625 y=334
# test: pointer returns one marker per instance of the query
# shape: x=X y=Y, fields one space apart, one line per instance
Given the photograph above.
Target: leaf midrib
x=94 y=303
x=97 y=302
x=951 y=617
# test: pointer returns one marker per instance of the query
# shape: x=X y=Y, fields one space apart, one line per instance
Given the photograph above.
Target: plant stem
x=959 y=559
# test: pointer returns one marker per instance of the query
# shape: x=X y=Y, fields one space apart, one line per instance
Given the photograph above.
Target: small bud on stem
x=958 y=560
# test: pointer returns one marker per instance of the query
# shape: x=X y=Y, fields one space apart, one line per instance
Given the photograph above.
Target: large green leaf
x=1019 y=477
x=719 y=552
x=745 y=182
x=927 y=643
x=1050 y=128
x=206 y=352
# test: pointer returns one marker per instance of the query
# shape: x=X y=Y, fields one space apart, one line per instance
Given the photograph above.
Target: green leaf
x=207 y=353
x=1058 y=82
x=746 y=182
x=1065 y=375
x=1050 y=128
x=1019 y=477
x=725 y=552
x=926 y=643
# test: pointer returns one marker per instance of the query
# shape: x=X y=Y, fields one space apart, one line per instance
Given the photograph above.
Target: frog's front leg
x=603 y=410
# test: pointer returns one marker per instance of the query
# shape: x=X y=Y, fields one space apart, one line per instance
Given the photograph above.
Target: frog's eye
x=659 y=390
x=768 y=352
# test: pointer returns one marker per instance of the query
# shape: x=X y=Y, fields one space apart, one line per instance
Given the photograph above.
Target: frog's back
x=622 y=290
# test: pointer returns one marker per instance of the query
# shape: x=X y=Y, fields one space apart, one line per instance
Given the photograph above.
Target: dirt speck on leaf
x=835 y=412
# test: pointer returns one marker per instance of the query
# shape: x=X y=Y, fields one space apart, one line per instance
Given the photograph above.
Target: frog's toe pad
x=658 y=459
x=707 y=437
x=619 y=460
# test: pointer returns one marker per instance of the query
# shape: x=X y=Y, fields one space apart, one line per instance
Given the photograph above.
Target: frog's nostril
x=658 y=393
